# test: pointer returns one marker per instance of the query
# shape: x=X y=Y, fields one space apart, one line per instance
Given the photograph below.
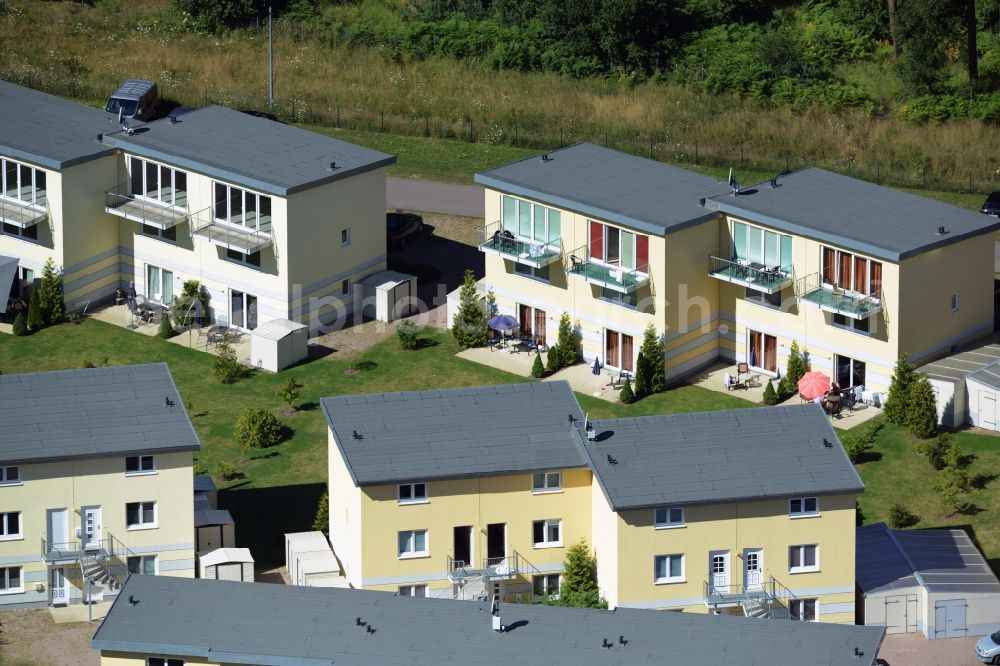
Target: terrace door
x=718 y=567
x=463 y=544
x=753 y=568
x=496 y=541
x=91 y=517
x=57 y=524
x=763 y=351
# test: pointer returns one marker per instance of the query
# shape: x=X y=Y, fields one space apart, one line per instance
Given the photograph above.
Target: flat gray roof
x=940 y=560
x=959 y=366
x=610 y=185
x=92 y=412
x=253 y=152
x=720 y=456
x=279 y=625
x=49 y=131
x=855 y=214
x=477 y=431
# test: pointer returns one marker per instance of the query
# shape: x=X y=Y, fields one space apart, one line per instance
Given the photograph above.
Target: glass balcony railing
x=20 y=214
x=752 y=275
x=118 y=201
x=581 y=266
x=494 y=240
x=812 y=290
x=247 y=240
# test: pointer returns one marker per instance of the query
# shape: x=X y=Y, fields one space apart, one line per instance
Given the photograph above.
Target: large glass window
x=243 y=310
x=851 y=272
x=242 y=208
x=159 y=285
x=617 y=247
x=754 y=245
x=23 y=183
x=157 y=182
x=530 y=221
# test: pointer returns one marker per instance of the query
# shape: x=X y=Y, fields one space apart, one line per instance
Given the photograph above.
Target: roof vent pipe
x=941 y=231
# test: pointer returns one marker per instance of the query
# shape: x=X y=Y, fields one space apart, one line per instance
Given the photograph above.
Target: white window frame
x=244 y=196
x=666 y=560
x=546 y=580
x=801 y=603
x=5 y=534
x=763 y=244
x=5 y=475
x=547 y=526
x=141 y=525
x=168 y=235
x=33 y=185
x=411 y=554
x=837 y=252
x=542 y=274
x=163 y=272
x=251 y=260
x=139 y=471
x=802 y=550
x=954 y=301
x=604 y=247
x=515 y=227
x=759 y=298
x=803 y=511
x=851 y=324
x=27 y=234
x=142 y=561
x=667 y=514
x=159 y=169
x=412 y=590
x=5 y=577
x=345 y=237
x=542 y=483
x=413 y=498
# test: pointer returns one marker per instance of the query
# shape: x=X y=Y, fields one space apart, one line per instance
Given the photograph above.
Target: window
x=412 y=493
x=159 y=183
x=803 y=610
x=763 y=351
x=803 y=506
x=849 y=372
x=23 y=183
x=28 y=233
x=139 y=465
x=10 y=475
x=345 y=286
x=413 y=590
x=954 y=302
x=345 y=236
x=163 y=661
x=541 y=274
x=803 y=558
x=10 y=525
x=852 y=273
x=672 y=516
x=759 y=246
x=168 y=234
x=668 y=569
x=851 y=324
x=546 y=585
x=240 y=257
x=618 y=350
x=142 y=564
x=547 y=533
x=140 y=515
x=762 y=298
x=242 y=310
x=617 y=247
x=531 y=221
x=159 y=284
x=241 y=208
x=630 y=300
x=546 y=481
x=10 y=580
x=413 y=543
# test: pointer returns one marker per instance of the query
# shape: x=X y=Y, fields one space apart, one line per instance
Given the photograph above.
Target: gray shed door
x=949 y=618
x=987 y=410
x=233 y=571
x=901 y=614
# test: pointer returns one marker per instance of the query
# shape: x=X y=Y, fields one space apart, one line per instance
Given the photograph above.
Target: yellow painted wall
x=109 y=658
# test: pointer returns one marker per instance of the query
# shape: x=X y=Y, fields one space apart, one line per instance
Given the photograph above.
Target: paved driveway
x=431 y=197
x=915 y=650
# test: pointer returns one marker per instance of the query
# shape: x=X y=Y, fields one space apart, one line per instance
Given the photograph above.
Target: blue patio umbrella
x=597 y=366
x=502 y=323
x=130 y=296
x=753 y=357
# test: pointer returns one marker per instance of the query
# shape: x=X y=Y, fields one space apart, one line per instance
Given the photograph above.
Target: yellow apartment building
x=853 y=272
x=95 y=483
x=274 y=221
x=468 y=493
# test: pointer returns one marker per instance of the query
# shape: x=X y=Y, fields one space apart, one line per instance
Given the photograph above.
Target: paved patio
x=79 y=612
x=580 y=376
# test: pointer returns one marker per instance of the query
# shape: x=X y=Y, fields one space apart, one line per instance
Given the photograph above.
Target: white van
x=134 y=100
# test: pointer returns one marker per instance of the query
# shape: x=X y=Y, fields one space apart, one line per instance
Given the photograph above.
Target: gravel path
x=31 y=638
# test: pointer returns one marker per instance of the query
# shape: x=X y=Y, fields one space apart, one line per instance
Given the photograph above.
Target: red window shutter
x=596 y=240
x=642 y=253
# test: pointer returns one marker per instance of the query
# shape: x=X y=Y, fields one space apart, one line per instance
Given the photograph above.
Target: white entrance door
x=57 y=522
x=91 y=532
x=718 y=567
x=58 y=586
x=987 y=410
x=753 y=568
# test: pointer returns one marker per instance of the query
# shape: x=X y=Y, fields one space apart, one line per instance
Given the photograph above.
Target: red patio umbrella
x=813 y=384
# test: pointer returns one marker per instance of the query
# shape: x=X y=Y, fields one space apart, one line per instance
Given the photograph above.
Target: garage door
x=230 y=571
x=901 y=614
x=949 y=618
x=987 y=410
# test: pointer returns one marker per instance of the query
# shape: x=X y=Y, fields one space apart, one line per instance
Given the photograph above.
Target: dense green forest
x=909 y=57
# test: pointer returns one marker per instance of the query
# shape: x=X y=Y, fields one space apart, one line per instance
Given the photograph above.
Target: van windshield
x=127 y=106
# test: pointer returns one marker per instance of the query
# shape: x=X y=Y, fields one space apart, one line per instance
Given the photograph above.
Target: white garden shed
x=278 y=344
x=935 y=582
x=226 y=564
x=388 y=296
x=967 y=386
x=310 y=560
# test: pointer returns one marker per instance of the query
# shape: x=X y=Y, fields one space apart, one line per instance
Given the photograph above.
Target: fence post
x=878 y=172
x=560 y=137
x=381 y=122
x=650 y=146
x=606 y=145
x=472 y=130
x=293 y=109
x=741 y=159
x=338 y=114
x=427 y=126
x=696 y=153
x=515 y=135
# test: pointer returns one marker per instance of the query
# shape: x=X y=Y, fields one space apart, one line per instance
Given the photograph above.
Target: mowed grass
x=896 y=473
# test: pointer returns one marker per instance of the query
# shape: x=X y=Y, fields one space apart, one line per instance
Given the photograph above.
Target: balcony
x=494 y=240
x=752 y=275
x=20 y=214
x=204 y=225
x=610 y=276
x=828 y=298
x=118 y=201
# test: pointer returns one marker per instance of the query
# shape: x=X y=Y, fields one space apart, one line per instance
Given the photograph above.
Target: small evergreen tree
x=552 y=360
x=770 y=395
x=566 y=342
x=322 y=520
x=166 y=330
x=627 y=395
x=921 y=416
x=793 y=372
x=35 y=319
x=289 y=393
x=641 y=385
x=900 y=517
x=192 y=304
x=50 y=298
x=20 y=324
x=579 y=582
x=897 y=405
x=406 y=331
x=469 y=328
x=652 y=352
x=537 y=368
x=226 y=366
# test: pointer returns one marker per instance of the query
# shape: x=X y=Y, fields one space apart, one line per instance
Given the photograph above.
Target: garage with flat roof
x=967 y=386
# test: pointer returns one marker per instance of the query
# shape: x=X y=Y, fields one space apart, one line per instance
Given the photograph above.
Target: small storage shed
x=278 y=343
x=958 y=398
x=310 y=560
x=214 y=528
x=203 y=485
x=935 y=582
x=388 y=296
x=226 y=564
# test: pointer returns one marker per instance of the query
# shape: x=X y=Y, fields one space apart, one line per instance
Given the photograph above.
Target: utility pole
x=270 y=62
